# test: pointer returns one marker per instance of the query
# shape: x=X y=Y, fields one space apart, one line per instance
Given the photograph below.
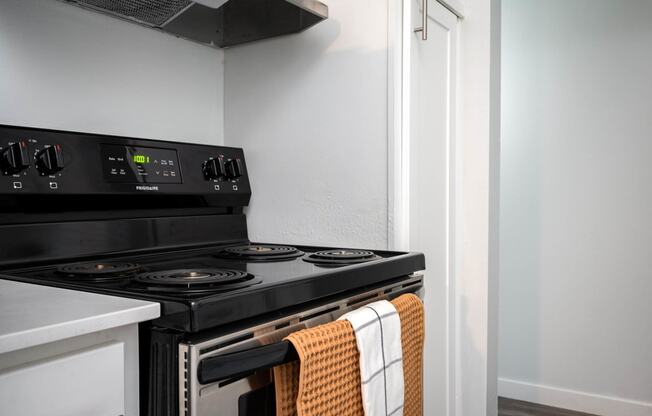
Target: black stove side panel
x=159 y=371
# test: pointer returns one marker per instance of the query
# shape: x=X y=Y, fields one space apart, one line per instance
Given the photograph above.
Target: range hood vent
x=218 y=23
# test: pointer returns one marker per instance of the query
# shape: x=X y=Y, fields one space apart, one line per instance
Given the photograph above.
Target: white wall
x=63 y=67
x=311 y=112
x=576 y=283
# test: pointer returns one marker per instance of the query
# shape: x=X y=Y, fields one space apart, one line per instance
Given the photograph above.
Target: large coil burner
x=340 y=257
x=261 y=252
x=99 y=271
x=196 y=281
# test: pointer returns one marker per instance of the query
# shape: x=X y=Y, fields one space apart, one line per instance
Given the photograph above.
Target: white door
x=431 y=174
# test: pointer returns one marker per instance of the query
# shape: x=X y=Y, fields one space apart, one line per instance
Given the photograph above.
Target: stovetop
x=203 y=288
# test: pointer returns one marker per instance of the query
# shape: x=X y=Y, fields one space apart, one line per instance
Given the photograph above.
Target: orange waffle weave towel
x=410 y=309
x=328 y=382
x=327 y=379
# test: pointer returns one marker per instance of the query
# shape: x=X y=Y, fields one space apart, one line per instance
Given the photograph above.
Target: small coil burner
x=261 y=252
x=99 y=272
x=340 y=257
x=196 y=281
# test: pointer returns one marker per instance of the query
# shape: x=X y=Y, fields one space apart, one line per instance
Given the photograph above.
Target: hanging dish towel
x=410 y=309
x=345 y=362
x=286 y=388
x=328 y=379
x=377 y=328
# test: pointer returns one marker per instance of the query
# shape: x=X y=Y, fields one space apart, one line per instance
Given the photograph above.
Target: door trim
x=396 y=208
x=400 y=32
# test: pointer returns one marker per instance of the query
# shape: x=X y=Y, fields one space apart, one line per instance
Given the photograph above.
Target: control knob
x=15 y=157
x=234 y=168
x=50 y=159
x=214 y=168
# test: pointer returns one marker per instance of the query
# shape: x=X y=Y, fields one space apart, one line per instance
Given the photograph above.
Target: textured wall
x=311 y=112
x=67 y=68
x=575 y=284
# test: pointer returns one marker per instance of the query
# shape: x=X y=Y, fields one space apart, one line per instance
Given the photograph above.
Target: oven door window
x=259 y=402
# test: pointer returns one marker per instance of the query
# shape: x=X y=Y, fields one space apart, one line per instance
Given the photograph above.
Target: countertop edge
x=50 y=333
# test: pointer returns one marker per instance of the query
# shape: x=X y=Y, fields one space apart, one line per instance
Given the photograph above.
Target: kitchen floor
x=509 y=407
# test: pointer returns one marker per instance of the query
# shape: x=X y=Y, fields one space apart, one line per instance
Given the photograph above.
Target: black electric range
x=165 y=222
x=202 y=288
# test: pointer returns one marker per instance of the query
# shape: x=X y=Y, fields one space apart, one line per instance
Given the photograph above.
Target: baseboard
x=573 y=400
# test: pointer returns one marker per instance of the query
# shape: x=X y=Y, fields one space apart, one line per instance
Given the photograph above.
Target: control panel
x=135 y=164
x=37 y=161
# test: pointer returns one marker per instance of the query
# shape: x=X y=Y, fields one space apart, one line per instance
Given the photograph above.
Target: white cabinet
x=64 y=352
x=80 y=383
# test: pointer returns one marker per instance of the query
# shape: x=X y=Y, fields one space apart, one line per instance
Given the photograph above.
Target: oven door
x=231 y=375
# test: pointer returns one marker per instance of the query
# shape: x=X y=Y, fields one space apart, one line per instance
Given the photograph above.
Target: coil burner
x=100 y=271
x=261 y=252
x=341 y=257
x=196 y=281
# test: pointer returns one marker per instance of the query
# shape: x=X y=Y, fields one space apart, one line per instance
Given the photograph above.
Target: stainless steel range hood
x=218 y=23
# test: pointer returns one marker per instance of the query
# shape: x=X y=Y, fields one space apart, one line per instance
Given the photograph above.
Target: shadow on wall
x=520 y=207
x=273 y=66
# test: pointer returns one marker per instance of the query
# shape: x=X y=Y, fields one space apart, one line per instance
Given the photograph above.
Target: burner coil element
x=261 y=252
x=100 y=271
x=196 y=280
x=340 y=257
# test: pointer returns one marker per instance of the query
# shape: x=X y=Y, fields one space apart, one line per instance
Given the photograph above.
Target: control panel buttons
x=234 y=168
x=15 y=157
x=50 y=159
x=48 y=162
x=214 y=168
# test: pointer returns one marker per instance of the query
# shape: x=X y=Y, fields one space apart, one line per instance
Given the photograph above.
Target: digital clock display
x=136 y=164
x=141 y=159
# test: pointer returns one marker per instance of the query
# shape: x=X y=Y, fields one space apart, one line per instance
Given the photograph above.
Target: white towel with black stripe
x=377 y=328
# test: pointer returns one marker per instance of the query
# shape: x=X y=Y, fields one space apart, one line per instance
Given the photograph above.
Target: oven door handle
x=241 y=363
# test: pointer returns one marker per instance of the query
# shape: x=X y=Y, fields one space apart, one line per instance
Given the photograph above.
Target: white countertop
x=33 y=315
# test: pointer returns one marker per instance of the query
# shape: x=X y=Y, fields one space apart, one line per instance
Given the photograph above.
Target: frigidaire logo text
x=146 y=188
